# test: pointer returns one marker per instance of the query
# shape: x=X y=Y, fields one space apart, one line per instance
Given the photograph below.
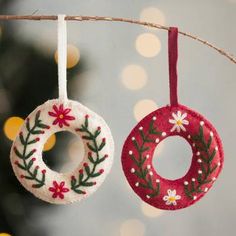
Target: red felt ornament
x=172 y=120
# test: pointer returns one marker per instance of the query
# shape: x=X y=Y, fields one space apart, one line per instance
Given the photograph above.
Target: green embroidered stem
x=85 y=180
x=142 y=171
x=36 y=129
x=205 y=160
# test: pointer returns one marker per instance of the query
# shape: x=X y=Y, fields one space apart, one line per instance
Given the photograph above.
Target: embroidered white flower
x=178 y=121
x=171 y=198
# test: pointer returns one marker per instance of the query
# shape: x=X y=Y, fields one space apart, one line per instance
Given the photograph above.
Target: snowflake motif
x=61 y=115
x=171 y=198
x=58 y=190
x=178 y=121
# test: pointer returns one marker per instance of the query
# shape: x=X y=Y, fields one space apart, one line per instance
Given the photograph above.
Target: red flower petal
x=55 y=121
x=52 y=114
x=66 y=111
x=69 y=117
x=61 y=108
x=55 y=108
x=61 y=196
x=51 y=189
x=65 y=190
x=55 y=184
x=55 y=195
x=62 y=184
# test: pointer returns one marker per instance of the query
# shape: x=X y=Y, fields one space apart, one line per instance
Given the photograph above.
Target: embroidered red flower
x=58 y=190
x=61 y=115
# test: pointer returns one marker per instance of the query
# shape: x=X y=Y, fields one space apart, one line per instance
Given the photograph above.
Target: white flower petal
x=165 y=198
x=178 y=128
x=174 y=203
x=172 y=121
x=168 y=203
x=185 y=122
x=179 y=114
x=182 y=127
x=173 y=193
x=177 y=197
x=169 y=191
x=175 y=116
x=174 y=128
x=184 y=116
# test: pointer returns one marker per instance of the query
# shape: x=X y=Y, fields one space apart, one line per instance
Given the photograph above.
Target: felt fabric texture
x=26 y=153
x=174 y=119
x=207 y=159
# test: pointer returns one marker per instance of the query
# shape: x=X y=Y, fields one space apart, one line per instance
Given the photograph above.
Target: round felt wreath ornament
x=62 y=115
x=171 y=120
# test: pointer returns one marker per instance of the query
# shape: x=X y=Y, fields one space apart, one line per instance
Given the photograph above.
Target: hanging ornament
x=59 y=115
x=172 y=120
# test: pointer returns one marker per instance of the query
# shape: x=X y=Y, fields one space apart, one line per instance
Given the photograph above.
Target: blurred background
x=120 y=71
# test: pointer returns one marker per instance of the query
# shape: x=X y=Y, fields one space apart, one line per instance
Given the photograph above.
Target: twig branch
x=117 y=19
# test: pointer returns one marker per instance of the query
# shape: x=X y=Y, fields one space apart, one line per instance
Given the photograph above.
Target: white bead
x=154 y=118
x=194 y=144
x=199 y=161
x=211 y=134
x=157 y=181
x=216 y=148
x=218 y=163
x=132 y=170
x=137 y=184
x=200 y=172
x=147 y=156
x=147 y=196
x=141 y=128
x=205 y=190
x=185 y=182
x=163 y=134
x=189 y=136
x=198 y=153
x=202 y=123
x=148 y=166
x=214 y=178
x=130 y=152
x=151 y=173
x=157 y=140
x=193 y=179
x=133 y=138
x=194 y=197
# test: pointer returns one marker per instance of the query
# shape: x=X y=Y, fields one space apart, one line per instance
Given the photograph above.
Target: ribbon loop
x=173 y=58
x=62 y=57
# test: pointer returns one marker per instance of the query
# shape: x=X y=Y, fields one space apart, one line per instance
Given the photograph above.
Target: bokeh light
x=73 y=56
x=50 y=143
x=4 y=234
x=132 y=227
x=143 y=108
x=153 y=15
x=150 y=211
x=12 y=126
x=134 y=77
x=148 y=45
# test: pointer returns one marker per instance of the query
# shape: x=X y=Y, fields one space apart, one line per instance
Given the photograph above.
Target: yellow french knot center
x=171 y=199
x=61 y=116
x=179 y=122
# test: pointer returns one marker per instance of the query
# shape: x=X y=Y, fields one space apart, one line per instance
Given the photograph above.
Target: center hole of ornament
x=66 y=154
x=172 y=158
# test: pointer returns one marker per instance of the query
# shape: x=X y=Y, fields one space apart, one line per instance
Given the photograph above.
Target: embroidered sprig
x=89 y=171
x=205 y=158
x=25 y=157
x=142 y=171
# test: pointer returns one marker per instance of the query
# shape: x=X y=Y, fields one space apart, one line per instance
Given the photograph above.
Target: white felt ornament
x=62 y=115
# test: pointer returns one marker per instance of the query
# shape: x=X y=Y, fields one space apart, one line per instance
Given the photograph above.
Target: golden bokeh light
x=150 y=211
x=153 y=15
x=143 y=108
x=132 y=227
x=134 y=77
x=148 y=45
x=50 y=143
x=73 y=56
x=12 y=126
x=4 y=234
